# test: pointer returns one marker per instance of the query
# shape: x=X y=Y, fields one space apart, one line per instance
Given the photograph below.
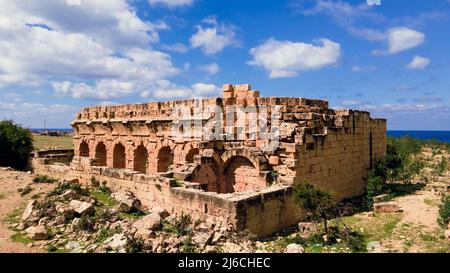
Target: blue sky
x=393 y=59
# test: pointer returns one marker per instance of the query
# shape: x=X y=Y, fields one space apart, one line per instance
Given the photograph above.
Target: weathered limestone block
x=386 y=207
x=294 y=248
x=82 y=208
x=37 y=233
x=127 y=201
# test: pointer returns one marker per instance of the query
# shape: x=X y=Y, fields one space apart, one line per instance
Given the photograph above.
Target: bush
x=317 y=203
x=44 y=179
x=444 y=212
x=16 y=144
x=181 y=227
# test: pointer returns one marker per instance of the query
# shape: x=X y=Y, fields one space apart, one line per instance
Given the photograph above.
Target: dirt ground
x=10 y=201
x=413 y=230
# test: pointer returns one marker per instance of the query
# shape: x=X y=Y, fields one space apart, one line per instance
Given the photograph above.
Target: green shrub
x=181 y=227
x=64 y=186
x=16 y=144
x=188 y=246
x=317 y=203
x=44 y=179
x=444 y=211
x=25 y=190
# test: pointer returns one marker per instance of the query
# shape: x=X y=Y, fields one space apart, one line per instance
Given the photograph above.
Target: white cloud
x=418 y=63
x=172 y=3
x=179 y=48
x=211 y=69
x=107 y=54
x=287 y=59
x=214 y=38
x=402 y=38
x=357 y=68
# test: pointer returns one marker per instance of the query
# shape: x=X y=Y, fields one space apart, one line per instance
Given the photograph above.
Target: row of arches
x=140 y=156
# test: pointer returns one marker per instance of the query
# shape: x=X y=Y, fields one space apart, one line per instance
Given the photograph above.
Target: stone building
x=231 y=159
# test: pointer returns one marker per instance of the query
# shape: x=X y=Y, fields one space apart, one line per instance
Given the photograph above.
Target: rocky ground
x=64 y=217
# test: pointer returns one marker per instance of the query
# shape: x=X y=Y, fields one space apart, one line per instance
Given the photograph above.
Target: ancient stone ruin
x=231 y=159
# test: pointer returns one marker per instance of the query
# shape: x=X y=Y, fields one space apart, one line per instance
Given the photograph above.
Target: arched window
x=190 y=155
x=165 y=159
x=100 y=154
x=84 y=149
x=140 y=159
x=119 y=156
x=241 y=175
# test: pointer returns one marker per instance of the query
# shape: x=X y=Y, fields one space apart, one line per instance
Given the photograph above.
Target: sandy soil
x=10 y=199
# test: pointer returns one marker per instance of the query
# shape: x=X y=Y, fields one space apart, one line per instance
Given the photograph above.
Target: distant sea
x=40 y=130
x=426 y=135
x=439 y=135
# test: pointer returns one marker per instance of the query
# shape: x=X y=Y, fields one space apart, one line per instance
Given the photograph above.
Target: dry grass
x=44 y=142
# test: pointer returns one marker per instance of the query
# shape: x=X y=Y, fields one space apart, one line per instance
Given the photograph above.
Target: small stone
x=210 y=249
x=82 y=208
x=117 y=242
x=294 y=248
x=447 y=234
x=386 y=207
x=37 y=233
x=148 y=222
x=69 y=195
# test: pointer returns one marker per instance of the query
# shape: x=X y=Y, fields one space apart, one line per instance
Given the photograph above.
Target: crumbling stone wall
x=132 y=146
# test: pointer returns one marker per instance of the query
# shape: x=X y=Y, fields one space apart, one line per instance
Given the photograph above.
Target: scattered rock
x=149 y=222
x=210 y=249
x=307 y=228
x=203 y=238
x=380 y=198
x=82 y=208
x=386 y=207
x=374 y=247
x=118 y=242
x=127 y=201
x=447 y=234
x=163 y=214
x=294 y=248
x=69 y=195
x=37 y=233
x=31 y=214
x=229 y=247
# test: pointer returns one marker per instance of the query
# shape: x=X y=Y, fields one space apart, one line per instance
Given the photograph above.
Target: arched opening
x=208 y=176
x=165 y=159
x=241 y=175
x=84 y=149
x=140 y=159
x=191 y=154
x=119 y=156
x=100 y=154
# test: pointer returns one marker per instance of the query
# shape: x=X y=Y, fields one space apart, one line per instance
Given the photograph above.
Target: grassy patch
x=375 y=228
x=20 y=237
x=44 y=179
x=104 y=198
x=132 y=215
x=44 y=142
x=14 y=216
x=430 y=202
x=25 y=190
x=2 y=196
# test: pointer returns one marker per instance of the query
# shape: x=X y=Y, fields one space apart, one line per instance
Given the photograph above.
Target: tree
x=317 y=203
x=16 y=144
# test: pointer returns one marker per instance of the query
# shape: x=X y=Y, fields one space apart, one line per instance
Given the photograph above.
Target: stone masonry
x=234 y=173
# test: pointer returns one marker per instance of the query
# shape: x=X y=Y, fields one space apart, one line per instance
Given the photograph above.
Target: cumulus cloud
x=172 y=3
x=418 y=63
x=357 y=68
x=287 y=58
x=107 y=54
x=179 y=48
x=211 y=69
x=402 y=38
x=213 y=37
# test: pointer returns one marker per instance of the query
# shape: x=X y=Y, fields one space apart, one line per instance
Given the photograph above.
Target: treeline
x=16 y=144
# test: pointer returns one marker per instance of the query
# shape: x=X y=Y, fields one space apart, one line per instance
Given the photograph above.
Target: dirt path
x=10 y=200
x=417 y=231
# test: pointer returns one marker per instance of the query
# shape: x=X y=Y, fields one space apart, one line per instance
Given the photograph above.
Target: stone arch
x=119 y=156
x=259 y=161
x=208 y=175
x=140 y=160
x=100 y=154
x=84 y=149
x=241 y=174
x=164 y=159
x=191 y=154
